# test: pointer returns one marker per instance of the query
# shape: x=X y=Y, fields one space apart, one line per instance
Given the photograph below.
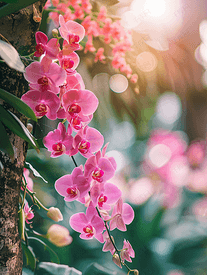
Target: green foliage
x=18 y=104
x=30 y=256
x=16 y=126
x=39 y=245
x=45 y=268
x=97 y=269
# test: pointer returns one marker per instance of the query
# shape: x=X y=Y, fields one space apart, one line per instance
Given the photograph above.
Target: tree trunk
x=19 y=29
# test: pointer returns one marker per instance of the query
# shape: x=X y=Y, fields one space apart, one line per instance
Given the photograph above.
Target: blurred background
x=156 y=131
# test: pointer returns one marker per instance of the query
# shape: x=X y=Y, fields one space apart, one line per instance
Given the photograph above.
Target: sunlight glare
x=118 y=83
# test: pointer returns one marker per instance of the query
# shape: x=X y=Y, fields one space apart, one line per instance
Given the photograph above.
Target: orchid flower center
x=101 y=200
x=76 y=123
x=41 y=110
x=83 y=147
x=43 y=81
x=98 y=174
x=89 y=230
x=40 y=48
x=73 y=38
x=72 y=192
x=67 y=63
x=74 y=109
x=59 y=148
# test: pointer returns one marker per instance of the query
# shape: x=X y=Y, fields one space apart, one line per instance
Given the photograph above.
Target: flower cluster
x=97 y=25
x=58 y=91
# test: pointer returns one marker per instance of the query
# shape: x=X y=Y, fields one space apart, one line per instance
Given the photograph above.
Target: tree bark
x=19 y=29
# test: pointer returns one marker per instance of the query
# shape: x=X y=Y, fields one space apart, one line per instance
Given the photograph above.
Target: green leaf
x=43 y=246
x=10 y=1
x=18 y=104
x=39 y=143
x=36 y=174
x=5 y=144
x=45 y=268
x=16 y=126
x=21 y=223
x=30 y=256
x=97 y=269
x=10 y=55
x=14 y=7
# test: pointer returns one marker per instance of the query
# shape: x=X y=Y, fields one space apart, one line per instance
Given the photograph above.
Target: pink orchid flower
x=59 y=141
x=45 y=75
x=104 y=195
x=80 y=106
x=100 y=55
x=88 y=141
x=51 y=48
x=122 y=214
x=42 y=103
x=28 y=213
x=73 y=33
x=69 y=62
x=89 y=225
x=127 y=252
x=108 y=246
x=73 y=186
x=100 y=167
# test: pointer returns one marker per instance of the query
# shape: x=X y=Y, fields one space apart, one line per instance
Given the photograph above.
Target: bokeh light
x=101 y=81
x=123 y=135
x=146 y=61
x=155 y=8
x=159 y=155
x=119 y=158
x=141 y=190
x=169 y=108
x=118 y=83
x=129 y=20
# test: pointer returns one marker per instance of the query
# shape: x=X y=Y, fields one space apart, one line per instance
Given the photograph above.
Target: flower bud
x=59 y=235
x=55 y=33
x=55 y=214
x=116 y=260
x=136 y=272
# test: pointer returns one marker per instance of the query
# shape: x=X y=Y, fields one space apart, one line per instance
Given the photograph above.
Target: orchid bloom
x=59 y=141
x=108 y=246
x=88 y=141
x=89 y=225
x=80 y=106
x=72 y=32
x=51 y=48
x=69 y=62
x=122 y=214
x=28 y=213
x=42 y=103
x=104 y=196
x=45 y=75
x=127 y=252
x=100 y=167
x=73 y=186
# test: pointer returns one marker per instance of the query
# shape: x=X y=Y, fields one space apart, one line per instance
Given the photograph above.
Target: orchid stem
x=74 y=161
